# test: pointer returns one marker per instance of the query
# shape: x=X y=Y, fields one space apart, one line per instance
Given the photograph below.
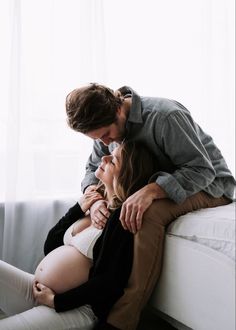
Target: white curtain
x=176 y=49
x=49 y=47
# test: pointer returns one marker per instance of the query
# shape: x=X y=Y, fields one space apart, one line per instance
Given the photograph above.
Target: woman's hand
x=43 y=295
x=99 y=214
x=88 y=199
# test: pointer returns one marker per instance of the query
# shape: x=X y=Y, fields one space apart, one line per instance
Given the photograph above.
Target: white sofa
x=197 y=285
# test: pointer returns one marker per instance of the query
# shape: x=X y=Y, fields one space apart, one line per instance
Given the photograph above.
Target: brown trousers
x=148 y=251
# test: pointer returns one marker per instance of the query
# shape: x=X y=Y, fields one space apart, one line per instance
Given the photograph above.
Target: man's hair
x=92 y=107
x=137 y=167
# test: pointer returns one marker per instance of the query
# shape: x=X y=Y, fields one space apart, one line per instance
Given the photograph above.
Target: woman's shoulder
x=115 y=213
x=114 y=224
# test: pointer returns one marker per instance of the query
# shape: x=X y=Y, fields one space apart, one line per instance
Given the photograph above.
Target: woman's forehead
x=117 y=152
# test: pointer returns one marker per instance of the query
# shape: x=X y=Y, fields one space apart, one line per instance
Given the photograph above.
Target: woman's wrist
x=51 y=304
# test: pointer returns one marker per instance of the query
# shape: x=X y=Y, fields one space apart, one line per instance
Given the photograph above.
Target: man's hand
x=88 y=199
x=43 y=295
x=133 y=208
x=99 y=214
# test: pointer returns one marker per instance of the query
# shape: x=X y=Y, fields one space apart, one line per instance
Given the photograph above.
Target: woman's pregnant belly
x=63 y=269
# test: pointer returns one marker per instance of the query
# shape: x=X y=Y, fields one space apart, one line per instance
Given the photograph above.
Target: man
x=192 y=174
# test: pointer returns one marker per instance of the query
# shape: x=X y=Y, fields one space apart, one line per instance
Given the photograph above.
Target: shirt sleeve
x=99 y=150
x=55 y=235
x=180 y=142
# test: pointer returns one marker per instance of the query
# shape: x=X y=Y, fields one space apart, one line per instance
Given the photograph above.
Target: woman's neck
x=109 y=195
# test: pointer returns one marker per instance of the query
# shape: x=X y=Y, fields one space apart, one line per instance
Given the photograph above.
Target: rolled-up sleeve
x=194 y=170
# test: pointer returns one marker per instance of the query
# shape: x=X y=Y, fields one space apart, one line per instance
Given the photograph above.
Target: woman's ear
x=118 y=111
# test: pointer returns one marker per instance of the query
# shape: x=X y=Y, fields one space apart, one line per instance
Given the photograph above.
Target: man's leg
x=148 y=251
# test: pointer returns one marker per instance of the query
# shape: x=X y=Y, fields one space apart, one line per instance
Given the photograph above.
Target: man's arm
x=180 y=141
x=134 y=207
x=194 y=169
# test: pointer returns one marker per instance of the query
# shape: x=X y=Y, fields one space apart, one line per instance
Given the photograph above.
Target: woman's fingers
x=99 y=214
x=88 y=199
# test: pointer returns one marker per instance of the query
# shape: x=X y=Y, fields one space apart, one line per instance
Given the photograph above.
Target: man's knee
x=160 y=212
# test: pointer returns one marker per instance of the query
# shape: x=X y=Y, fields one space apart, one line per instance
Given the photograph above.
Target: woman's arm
x=113 y=255
x=56 y=234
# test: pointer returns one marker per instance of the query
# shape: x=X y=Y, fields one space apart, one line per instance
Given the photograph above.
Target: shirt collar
x=135 y=113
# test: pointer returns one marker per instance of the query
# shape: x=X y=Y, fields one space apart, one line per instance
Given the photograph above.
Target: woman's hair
x=137 y=166
x=92 y=107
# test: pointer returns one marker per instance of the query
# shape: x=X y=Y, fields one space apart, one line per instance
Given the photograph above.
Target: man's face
x=112 y=133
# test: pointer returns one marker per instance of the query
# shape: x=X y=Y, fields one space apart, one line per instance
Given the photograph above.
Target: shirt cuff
x=171 y=186
x=90 y=179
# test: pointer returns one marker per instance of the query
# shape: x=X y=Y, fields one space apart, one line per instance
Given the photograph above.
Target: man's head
x=96 y=111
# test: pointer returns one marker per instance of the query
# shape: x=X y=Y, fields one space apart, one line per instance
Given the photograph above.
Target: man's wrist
x=156 y=191
x=93 y=187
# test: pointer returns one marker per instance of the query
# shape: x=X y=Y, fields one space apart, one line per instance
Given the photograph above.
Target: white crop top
x=83 y=241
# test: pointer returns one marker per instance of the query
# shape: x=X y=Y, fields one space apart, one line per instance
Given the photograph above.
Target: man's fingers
x=96 y=196
x=132 y=222
x=139 y=219
x=131 y=217
x=128 y=217
x=124 y=214
x=93 y=197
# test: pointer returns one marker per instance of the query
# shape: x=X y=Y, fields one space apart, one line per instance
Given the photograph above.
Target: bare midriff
x=63 y=269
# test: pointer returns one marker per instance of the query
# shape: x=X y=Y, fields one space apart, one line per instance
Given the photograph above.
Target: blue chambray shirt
x=187 y=159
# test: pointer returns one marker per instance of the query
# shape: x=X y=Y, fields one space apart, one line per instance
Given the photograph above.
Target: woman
x=81 y=299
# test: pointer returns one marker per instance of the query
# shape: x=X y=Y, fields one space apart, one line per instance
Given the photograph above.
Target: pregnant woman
x=85 y=269
x=67 y=266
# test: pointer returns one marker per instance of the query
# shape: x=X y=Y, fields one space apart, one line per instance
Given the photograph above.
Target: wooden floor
x=149 y=321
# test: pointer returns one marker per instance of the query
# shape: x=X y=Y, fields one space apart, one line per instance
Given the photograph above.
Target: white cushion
x=213 y=227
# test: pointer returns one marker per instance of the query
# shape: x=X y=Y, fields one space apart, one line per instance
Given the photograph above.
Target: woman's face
x=109 y=168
